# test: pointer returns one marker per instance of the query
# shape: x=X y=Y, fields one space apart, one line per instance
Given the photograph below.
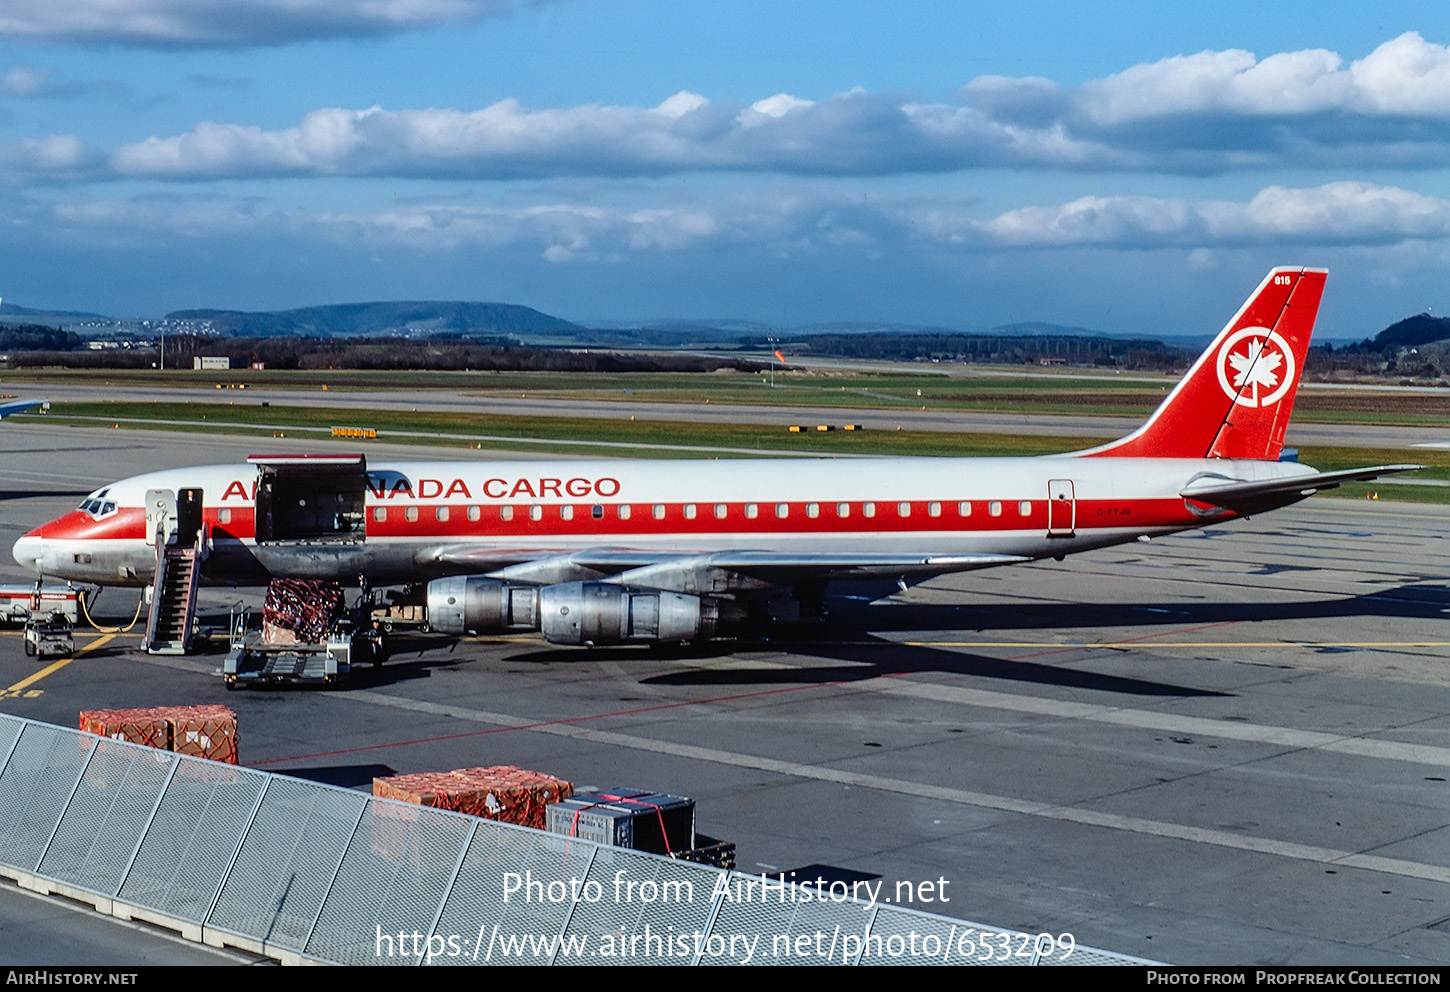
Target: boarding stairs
x=170 y=626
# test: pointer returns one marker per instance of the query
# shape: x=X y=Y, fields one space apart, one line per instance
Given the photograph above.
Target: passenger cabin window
x=224 y=515
x=813 y=510
x=623 y=511
x=933 y=509
x=506 y=513
x=566 y=512
x=658 y=511
x=720 y=510
x=843 y=509
x=782 y=510
x=994 y=508
x=689 y=511
x=597 y=511
x=903 y=509
x=536 y=512
x=475 y=513
x=751 y=511
x=380 y=513
x=441 y=513
x=868 y=509
x=411 y=513
x=1024 y=508
x=964 y=509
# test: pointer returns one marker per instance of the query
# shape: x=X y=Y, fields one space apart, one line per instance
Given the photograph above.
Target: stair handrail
x=157 y=580
x=190 y=608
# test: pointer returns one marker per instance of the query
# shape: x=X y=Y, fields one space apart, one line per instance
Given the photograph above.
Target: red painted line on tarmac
x=681 y=705
x=549 y=723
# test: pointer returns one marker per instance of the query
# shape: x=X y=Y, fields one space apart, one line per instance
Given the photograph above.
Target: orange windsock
x=780 y=356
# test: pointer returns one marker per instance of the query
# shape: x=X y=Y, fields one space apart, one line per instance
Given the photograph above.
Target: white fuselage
x=420 y=520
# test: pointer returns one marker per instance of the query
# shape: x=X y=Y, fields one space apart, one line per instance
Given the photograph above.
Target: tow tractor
x=50 y=636
x=49 y=616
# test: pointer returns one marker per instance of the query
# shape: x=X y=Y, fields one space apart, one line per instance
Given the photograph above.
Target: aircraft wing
x=780 y=569
x=1256 y=497
x=711 y=571
x=19 y=406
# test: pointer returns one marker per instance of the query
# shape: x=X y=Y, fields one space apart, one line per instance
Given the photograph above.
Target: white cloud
x=166 y=23
x=853 y=133
x=682 y=103
x=1208 y=113
x=1335 y=213
x=20 y=81
x=791 y=221
x=53 y=158
x=771 y=108
x=501 y=140
x=1406 y=76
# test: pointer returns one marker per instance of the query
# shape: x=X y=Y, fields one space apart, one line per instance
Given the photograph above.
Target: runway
x=908 y=417
x=1229 y=746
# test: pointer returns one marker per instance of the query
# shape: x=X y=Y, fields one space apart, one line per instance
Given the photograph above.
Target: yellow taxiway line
x=30 y=680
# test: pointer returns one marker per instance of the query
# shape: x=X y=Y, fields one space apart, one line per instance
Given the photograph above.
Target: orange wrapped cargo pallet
x=201 y=731
x=204 y=732
x=500 y=792
x=146 y=726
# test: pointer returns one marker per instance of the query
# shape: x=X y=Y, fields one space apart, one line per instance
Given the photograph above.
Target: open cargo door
x=311 y=498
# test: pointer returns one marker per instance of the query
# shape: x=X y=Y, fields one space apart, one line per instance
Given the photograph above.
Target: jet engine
x=473 y=604
x=590 y=613
x=604 y=613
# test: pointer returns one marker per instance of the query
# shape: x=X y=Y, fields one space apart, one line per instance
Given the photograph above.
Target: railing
x=300 y=871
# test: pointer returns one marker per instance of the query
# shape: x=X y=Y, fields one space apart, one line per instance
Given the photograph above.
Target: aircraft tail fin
x=1236 y=399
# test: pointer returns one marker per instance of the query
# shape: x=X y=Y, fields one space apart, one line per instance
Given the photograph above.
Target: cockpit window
x=97 y=505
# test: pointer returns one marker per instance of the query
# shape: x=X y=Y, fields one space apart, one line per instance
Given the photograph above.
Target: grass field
x=982 y=388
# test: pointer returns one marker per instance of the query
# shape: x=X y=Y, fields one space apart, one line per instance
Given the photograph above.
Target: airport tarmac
x=1228 y=746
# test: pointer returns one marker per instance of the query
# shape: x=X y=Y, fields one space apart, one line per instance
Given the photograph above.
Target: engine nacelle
x=603 y=613
x=472 y=604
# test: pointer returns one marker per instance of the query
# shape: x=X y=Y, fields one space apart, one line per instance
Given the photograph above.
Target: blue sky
x=1130 y=167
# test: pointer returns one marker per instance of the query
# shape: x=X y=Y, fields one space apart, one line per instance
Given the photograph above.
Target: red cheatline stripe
x=129 y=524
x=681 y=705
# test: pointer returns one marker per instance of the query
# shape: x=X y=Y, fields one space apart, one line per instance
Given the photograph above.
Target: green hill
x=432 y=318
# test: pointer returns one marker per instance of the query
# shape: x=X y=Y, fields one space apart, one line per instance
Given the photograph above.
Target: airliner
x=636 y=551
x=20 y=406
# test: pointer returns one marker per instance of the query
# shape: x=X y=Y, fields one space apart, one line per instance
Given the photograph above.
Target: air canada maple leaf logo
x=1255 y=367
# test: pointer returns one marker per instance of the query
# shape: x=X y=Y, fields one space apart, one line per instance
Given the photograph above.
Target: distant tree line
x=30 y=337
x=994 y=348
x=504 y=355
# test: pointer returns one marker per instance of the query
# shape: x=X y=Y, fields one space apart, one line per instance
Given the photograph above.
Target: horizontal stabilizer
x=1255 y=497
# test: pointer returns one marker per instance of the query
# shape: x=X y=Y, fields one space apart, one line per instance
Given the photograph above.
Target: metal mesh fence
x=301 y=870
x=287 y=861
x=101 y=830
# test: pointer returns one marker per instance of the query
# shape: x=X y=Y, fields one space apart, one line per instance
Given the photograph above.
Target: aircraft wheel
x=30 y=649
x=424 y=627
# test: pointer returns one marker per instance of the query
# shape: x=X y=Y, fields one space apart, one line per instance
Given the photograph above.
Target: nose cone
x=28 y=551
